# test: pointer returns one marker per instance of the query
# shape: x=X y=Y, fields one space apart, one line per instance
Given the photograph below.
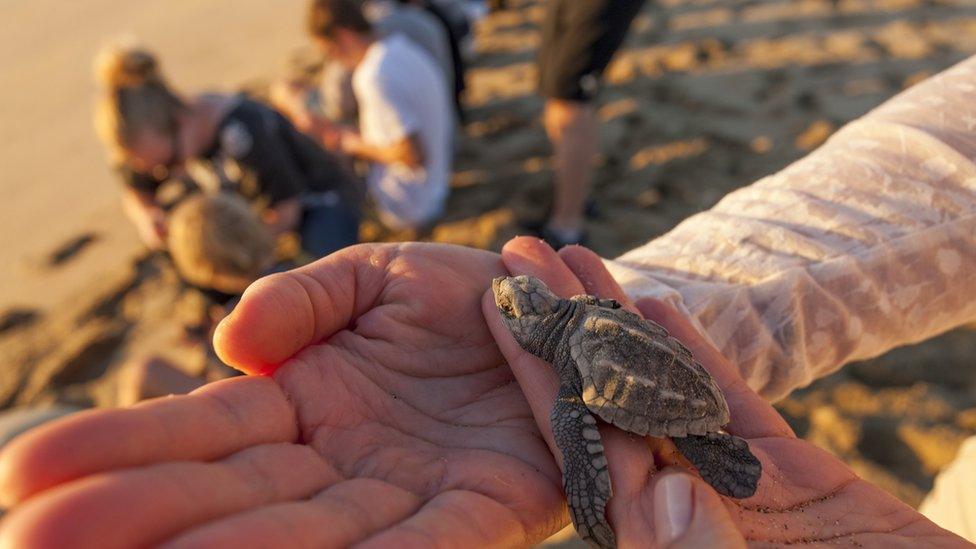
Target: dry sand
x=56 y=186
x=707 y=95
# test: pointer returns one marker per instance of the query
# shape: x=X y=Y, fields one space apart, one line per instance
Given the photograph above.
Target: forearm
x=371 y=153
x=135 y=204
x=405 y=151
x=146 y=215
x=293 y=101
x=865 y=245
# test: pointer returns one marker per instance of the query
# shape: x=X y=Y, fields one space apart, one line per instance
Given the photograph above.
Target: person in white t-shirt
x=405 y=114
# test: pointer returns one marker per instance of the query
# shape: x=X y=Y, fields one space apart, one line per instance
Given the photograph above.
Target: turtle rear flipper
x=586 y=478
x=724 y=461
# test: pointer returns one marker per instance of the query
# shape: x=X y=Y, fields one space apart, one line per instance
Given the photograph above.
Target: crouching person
x=218 y=243
x=154 y=134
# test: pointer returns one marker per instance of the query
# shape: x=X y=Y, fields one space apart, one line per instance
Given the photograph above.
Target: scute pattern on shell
x=641 y=379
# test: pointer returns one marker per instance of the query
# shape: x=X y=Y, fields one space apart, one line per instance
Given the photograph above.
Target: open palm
x=392 y=416
x=805 y=495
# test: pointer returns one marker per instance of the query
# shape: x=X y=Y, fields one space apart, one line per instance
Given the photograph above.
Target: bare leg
x=572 y=129
x=586 y=478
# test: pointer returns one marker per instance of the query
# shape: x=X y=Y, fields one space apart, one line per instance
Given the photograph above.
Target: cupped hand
x=805 y=495
x=386 y=416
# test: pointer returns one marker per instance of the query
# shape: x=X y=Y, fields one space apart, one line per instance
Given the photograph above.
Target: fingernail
x=672 y=507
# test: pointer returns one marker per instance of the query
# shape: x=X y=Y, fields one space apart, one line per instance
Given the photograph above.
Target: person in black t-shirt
x=155 y=135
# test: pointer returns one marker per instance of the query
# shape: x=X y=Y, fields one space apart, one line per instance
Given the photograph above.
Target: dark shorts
x=579 y=37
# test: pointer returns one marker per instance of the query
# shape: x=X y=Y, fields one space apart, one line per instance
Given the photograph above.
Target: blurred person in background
x=218 y=243
x=153 y=134
x=413 y=20
x=437 y=28
x=452 y=17
x=404 y=115
x=579 y=38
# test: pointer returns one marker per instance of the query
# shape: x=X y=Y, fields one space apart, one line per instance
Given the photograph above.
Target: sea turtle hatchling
x=631 y=373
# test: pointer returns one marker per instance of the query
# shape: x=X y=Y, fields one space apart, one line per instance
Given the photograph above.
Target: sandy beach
x=706 y=96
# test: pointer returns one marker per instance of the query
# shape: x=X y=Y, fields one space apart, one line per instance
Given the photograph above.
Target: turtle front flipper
x=586 y=478
x=724 y=461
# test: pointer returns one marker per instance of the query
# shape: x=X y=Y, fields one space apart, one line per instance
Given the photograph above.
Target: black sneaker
x=557 y=241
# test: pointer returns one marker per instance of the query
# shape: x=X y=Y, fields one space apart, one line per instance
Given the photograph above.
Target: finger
x=457 y=518
x=336 y=517
x=751 y=415
x=594 y=276
x=794 y=473
x=210 y=423
x=589 y=269
x=281 y=314
x=538 y=380
x=811 y=497
x=161 y=500
x=525 y=255
x=689 y=514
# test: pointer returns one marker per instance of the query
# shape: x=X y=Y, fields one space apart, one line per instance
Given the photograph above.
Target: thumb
x=689 y=514
x=281 y=314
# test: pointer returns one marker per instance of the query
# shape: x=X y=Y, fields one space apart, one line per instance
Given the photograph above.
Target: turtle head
x=523 y=296
x=525 y=303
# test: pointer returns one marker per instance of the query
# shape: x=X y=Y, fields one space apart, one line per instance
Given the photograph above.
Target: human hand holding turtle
x=804 y=496
x=391 y=418
x=392 y=421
